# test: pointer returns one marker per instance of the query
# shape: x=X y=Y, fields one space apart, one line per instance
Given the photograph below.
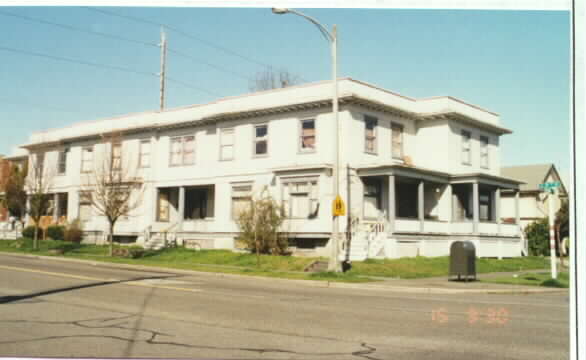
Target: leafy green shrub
x=73 y=232
x=28 y=232
x=56 y=232
x=136 y=253
x=537 y=234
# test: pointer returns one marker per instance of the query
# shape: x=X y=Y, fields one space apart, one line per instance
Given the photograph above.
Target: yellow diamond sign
x=339 y=208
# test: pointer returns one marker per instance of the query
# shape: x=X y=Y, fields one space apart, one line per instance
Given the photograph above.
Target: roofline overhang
x=344 y=99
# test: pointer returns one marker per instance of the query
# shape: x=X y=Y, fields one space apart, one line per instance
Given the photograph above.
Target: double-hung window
x=116 y=156
x=370 y=124
x=466 y=147
x=62 y=161
x=85 y=206
x=182 y=150
x=484 y=152
x=301 y=198
x=144 y=158
x=397 y=140
x=261 y=138
x=87 y=157
x=307 y=137
x=227 y=144
x=241 y=199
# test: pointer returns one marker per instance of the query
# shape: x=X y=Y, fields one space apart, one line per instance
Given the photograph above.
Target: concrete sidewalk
x=436 y=285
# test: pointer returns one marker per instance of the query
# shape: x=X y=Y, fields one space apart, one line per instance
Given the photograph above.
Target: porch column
x=55 y=208
x=497 y=209
x=154 y=213
x=475 y=207
x=392 y=205
x=420 y=208
x=450 y=206
x=181 y=206
x=517 y=212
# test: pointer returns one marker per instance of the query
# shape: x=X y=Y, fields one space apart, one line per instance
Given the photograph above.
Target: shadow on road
x=13 y=298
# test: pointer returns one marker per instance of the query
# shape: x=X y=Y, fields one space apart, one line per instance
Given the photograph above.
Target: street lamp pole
x=334 y=263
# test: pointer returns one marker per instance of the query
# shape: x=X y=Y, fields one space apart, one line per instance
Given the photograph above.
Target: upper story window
x=484 y=152
x=39 y=163
x=261 y=137
x=307 y=136
x=466 y=147
x=62 y=161
x=370 y=124
x=227 y=144
x=116 y=156
x=182 y=150
x=144 y=157
x=87 y=157
x=301 y=198
x=397 y=140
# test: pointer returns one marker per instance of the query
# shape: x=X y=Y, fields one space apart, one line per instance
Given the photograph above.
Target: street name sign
x=550 y=185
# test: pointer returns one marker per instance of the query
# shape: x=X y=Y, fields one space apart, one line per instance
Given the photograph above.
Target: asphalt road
x=56 y=309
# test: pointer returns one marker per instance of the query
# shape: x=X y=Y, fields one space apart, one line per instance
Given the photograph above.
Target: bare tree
x=113 y=188
x=38 y=183
x=273 y=79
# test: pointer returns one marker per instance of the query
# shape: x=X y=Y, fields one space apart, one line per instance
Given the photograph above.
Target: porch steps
x=317 y=266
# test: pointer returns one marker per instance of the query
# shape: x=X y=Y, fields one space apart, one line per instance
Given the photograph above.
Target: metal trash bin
x=462 y=259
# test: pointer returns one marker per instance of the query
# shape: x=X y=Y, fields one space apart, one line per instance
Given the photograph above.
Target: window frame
x=401 y=127
x=300 y=148
x=484 y=152
x=82 y=195
x=287 y=204
x=233 y=144
x=141 y=154
x=62 y=163
x=84 y=161
x=256 y=139
x=466 y=139
x=374 y=137
x=116 y=159
x=182 y=150
x=232 y=196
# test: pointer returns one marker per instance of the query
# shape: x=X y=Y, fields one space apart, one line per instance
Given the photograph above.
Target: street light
x=332 y=38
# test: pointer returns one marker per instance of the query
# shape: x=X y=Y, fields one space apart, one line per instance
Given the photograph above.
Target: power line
x=75 y=61
x=208 y=64
x=209 y=43
x=191 y=86
x=73 y=28
x=37 y=105
x=105 y=66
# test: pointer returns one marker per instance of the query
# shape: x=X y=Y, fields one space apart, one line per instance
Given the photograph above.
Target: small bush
x=538 y=237
x=56 y=232
x=28 y=232
x=73 y=232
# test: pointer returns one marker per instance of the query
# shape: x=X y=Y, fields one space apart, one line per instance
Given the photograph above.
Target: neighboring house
x=416 y=174
x=534 y=202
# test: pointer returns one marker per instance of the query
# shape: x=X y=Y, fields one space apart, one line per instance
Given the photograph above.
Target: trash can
x=462 y=259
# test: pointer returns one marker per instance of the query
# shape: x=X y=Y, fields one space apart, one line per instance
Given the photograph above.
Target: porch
x=410 y=211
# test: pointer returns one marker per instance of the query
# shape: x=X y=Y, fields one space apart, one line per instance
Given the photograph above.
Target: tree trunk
x=36 y=237
x=111 y=239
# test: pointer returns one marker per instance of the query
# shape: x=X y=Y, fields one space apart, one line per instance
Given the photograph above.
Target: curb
x=309 y=283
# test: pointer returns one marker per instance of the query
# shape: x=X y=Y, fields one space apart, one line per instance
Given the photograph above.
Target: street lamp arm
x=321 y=28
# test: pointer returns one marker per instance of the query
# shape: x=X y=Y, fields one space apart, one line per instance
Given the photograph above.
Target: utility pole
x=163 y=46
x=550 y=199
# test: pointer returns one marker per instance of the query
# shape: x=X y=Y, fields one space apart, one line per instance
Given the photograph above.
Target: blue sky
x=514 y=63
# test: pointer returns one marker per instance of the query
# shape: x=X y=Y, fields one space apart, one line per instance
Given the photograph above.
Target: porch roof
x=437 y=176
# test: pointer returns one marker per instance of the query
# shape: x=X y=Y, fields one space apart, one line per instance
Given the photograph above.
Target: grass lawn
x=291 y=267
x=536 y=279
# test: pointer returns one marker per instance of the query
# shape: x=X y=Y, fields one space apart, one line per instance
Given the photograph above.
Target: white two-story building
x=416 y=174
